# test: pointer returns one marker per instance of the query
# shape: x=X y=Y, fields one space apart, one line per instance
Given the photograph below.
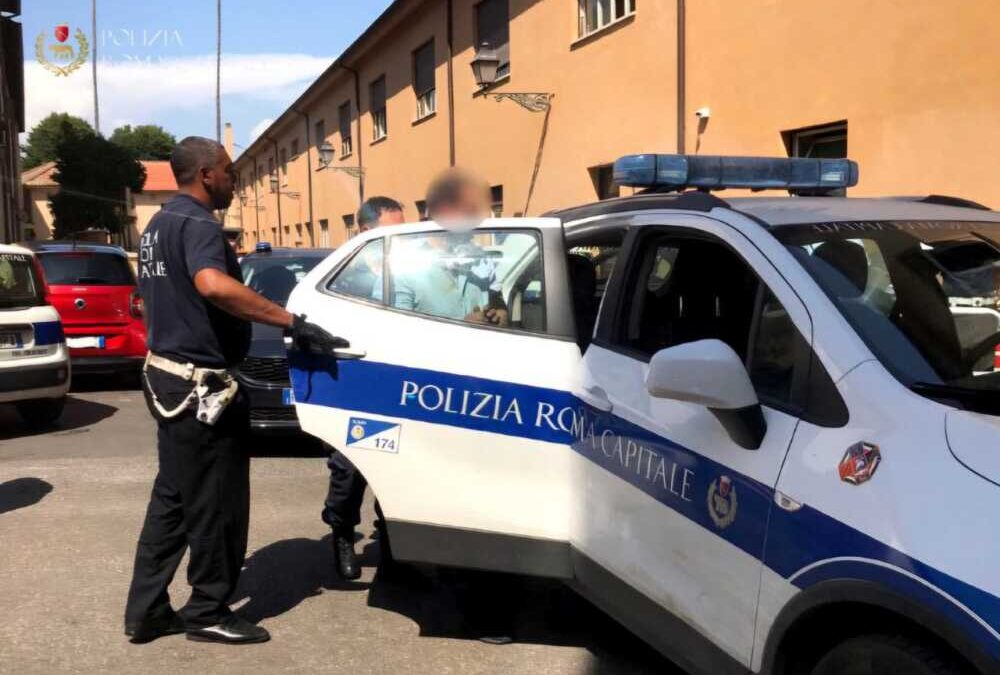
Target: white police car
x=34 y=361
x=763 y=433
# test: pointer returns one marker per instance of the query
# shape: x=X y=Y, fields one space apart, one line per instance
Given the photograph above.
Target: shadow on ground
x=446 y=603
x=79 y=413
x=116 y=382
x=22 y=492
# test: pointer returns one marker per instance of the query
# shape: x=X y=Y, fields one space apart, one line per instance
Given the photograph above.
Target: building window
x=421 y=209
x=270 y=172
x=260 y=174
x=349 y=225
x=344 y=117
x=493 y=28
x=827 y=141
x=274 y=235
x=603 y=178
x=376 y=96
x=298 y=234
x=295 y=148
x=496 y=201
x=319 y=133
x=324 y=233
x=283 y=160
x=310 y=234
x=423 y=80
x=596 y=14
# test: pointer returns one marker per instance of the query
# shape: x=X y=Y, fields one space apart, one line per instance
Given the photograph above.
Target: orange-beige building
x=38 y=185
x=905 y=88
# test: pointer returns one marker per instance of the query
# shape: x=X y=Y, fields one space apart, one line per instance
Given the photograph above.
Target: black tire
x=41 y=413
x=885 y=655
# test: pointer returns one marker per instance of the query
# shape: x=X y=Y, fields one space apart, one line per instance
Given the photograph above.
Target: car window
x=18 y=285
x=276 y=277
x=86 y=268
x=362 y=276
x=492 y=278
x=688 y=289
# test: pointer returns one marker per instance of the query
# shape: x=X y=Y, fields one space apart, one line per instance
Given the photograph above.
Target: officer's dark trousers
x=342 y=509
x=201 y=501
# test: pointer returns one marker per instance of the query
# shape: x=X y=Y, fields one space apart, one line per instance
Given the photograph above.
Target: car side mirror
x=709 y=373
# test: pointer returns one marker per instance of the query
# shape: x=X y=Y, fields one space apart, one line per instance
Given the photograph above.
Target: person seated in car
x=456 y=279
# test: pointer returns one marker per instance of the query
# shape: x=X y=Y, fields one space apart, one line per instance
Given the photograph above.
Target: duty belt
x=214 y=388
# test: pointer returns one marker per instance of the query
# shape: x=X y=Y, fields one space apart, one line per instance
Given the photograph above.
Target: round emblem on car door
x=80 y=303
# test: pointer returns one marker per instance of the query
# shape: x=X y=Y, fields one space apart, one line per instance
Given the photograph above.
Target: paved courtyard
x=71 y=505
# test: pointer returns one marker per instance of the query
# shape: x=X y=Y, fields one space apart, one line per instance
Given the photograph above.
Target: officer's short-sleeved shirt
x=182 y=239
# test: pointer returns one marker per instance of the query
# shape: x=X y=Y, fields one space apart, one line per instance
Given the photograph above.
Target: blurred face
x=220 y=181
x=472 y=205
x=385 y=217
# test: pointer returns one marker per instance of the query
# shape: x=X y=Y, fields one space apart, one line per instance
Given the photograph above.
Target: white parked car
x=753 y=430
x=34 y=361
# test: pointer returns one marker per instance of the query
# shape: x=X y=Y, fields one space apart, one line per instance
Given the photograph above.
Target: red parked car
x=93 y=288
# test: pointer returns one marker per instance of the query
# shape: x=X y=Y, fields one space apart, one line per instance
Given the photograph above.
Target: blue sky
x=156 y=59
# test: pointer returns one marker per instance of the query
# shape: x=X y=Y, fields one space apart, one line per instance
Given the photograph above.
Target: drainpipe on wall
x=277 y=192
x=309 y=175
x=357 y=105
x=256 y=198
x=681 y=74
x=451 y=85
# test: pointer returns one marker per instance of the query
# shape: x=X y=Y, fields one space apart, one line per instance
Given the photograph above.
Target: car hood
x=267 y=341
x=972 y=439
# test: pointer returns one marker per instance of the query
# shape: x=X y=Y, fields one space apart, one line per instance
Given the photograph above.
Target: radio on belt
x=731 y=422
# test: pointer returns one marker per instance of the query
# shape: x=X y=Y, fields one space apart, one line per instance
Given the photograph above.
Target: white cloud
x=259 y=128
x=138 y=91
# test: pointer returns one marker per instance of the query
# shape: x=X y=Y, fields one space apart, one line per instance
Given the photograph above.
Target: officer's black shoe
x=347 y=560
x=155 y=627
x=234 y=630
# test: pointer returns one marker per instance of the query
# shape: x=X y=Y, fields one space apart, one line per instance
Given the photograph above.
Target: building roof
x=40 y=176
x=159 y=177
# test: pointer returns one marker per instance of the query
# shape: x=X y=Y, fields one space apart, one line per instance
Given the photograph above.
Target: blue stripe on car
x=794 y=542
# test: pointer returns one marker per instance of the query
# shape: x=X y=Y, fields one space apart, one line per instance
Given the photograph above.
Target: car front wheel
x=41 y=413
x=885 y=655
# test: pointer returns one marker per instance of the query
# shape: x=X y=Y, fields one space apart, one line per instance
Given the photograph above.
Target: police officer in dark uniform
x=342 y=508
x=198 y=315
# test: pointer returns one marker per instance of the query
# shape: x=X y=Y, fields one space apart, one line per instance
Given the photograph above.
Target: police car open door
x=452 y=400
x=674 y=496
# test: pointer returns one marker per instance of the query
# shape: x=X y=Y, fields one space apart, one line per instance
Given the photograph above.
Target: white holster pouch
x=213 y=388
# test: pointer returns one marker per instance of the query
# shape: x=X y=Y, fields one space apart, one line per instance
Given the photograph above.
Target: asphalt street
x=71 y=505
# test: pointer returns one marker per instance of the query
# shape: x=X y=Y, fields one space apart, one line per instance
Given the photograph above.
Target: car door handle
x=349 y=353
x=597 y=398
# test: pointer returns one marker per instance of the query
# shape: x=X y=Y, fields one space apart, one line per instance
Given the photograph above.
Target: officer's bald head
x=193 y=154
x=203 y=169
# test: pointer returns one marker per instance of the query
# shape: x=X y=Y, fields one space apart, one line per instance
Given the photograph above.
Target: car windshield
x=18 y=285
x=87 y=268
x=274 y=278
x=925 y=297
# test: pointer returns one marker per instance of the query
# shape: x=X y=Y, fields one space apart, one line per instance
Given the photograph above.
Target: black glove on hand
x=311 y=338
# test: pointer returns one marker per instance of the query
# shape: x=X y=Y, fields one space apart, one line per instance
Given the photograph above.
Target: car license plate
x=287 y=396
x=93 y=342
x=10 y=340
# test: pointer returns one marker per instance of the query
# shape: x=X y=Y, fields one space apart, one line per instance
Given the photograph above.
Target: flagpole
x=93 y=62
x=218 y=71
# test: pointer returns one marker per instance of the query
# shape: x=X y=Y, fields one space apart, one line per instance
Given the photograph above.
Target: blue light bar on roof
x=795 y=174
x=263 y=247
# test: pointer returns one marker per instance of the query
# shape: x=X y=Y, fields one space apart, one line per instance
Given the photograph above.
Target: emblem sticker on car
x=370 y=434
x=859 y=463
x=722 y=502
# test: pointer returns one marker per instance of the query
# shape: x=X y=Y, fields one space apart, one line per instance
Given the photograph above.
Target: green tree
x=45 y=137
x=92 y=173
x=146 y=141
